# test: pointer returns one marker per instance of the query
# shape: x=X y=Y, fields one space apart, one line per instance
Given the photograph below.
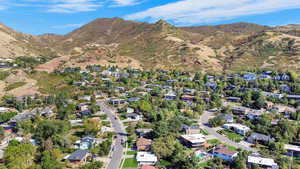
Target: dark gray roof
x=226 y=116
x=261 y=137
x=78 y=155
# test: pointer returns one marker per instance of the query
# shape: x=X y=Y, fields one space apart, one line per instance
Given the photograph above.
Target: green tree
x=104 y=148
x=294 y=76
x=19 y=156
x=91 y=127
x=296 y=115
x=164 y=147
x=92 y=165
x=50 y=160
x=216 y=121
x=48 y=132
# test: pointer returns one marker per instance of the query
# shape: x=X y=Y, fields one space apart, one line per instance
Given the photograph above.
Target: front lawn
x=131 y=152
x=165 y=163
x=130 y=163
x=231 y=135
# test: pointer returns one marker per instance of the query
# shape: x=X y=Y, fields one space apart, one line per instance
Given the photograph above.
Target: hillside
x=14 y=44
x=235 y=28
x=114 y=41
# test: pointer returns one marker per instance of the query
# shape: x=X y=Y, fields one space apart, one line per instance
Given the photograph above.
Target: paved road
x=203 y=124
x=117 y=151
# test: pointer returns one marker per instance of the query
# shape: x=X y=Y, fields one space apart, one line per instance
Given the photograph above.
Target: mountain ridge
x=115 y=41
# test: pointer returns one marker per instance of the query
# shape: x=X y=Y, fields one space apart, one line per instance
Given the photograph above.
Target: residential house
x=142 y=132
x=283 y=77
x=285 y=88
x=224 y=153
x=193 y=140
x=170 y=96
x=293 y=97
x=129 y=110
x=79 y=83
x=269 y=105
x=143 y=144
x=4 y=109
x=292 y=150
x=227 y=117
x=85 y=113
x=46 y=112
x=21 y=117
x=274 y=95
x=240 y=110
x=211 y=85
x=86 y=98
x=78 y=122
x=119 y=89
x=8 y=129
x=238 y=128
x=146 y=158
x=134 y=116
x=78 y=156
x=133 y=99
x=187 y=98
x=83 y=106
x=260 y=138
x=117 y=101
x=262 y=162
x=249 y=76
x=167 y=87
x=86 y=143
x=106 y=79
x=264 y=76
x=254 y=115
x=192 y=129
x=233 y=99
x=189 y=91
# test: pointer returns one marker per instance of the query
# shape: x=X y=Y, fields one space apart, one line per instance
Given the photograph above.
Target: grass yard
x=213 y=141
x=231 y=148
x=203 y=164
x=14 y=86
x=165 y=163
x=204 y=132
x=231 y=135
x=130 y=163
x=131 y=152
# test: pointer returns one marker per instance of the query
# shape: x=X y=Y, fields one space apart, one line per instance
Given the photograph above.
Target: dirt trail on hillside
x=53 y=64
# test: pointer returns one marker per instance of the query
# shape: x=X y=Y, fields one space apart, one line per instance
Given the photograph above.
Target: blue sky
x=63 y=16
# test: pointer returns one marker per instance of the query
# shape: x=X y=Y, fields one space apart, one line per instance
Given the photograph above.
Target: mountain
x=114 y=41
x=14 y=44
x=235 y=28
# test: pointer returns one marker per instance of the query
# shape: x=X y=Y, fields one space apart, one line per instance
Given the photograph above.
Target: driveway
x=203 y=124
x=117 y=150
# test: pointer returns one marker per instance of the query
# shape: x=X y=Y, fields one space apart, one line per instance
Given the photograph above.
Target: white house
x=238 y=128
x=262 y=162
x=193 y=140
x=146 y=158
x=292 y=150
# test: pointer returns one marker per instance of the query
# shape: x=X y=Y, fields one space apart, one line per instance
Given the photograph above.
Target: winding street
x=203 y=124
x=117 y=150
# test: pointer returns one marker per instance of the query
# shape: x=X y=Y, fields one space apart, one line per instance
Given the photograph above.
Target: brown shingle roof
x=225 y=151
x=143 y=144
